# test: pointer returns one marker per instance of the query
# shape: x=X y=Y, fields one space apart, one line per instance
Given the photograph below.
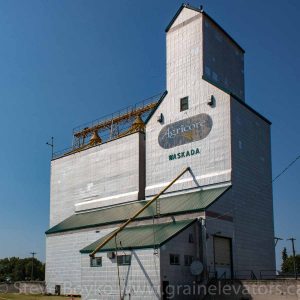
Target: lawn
x=33 y=297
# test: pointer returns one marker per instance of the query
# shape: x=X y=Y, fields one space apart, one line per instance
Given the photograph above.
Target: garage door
x=222 y=255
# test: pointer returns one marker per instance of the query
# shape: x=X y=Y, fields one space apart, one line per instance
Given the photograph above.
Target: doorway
x=223 y=257
x=165 y=291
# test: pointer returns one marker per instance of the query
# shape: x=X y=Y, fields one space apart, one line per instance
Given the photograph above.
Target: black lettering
x=172 y=156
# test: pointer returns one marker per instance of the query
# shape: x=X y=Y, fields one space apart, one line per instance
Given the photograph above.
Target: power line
x=286 y=168
x=273 y=180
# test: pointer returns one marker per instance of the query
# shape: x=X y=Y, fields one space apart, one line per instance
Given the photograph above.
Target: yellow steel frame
x=107 y=123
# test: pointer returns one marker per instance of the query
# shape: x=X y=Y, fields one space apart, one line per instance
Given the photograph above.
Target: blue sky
x=66 y=62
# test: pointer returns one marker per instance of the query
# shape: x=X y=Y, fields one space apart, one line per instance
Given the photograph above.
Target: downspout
x=204 y=249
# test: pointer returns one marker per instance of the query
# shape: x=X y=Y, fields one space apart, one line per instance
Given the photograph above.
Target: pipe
x=136 y=214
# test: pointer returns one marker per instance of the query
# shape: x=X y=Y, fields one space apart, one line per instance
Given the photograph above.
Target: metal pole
x=136 y=214
x=277 y=239
x=33 y=254
x=294 y=255
x=52 y=142
x=51 y=145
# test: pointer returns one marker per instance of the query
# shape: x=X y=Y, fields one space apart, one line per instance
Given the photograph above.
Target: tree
x=17 y=269
x=284 y=255
x=288 y=263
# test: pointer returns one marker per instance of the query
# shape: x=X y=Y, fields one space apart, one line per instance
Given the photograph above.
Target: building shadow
x=147 y=276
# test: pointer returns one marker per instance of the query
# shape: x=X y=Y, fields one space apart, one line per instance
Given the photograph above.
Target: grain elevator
x=112 y=237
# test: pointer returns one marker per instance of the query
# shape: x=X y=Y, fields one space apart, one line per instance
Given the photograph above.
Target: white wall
x=252 y=190
x=223 y=60
x=184 y=78
x=180 y=275
x=140 y=280
x=249 y=202
x=63 y=259
x=103 y=175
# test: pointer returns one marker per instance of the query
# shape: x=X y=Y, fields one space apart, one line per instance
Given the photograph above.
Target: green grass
x=33 y=297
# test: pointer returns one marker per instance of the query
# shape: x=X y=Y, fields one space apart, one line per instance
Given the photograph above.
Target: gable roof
x=174 y=205
x=140 y=237
x=206 y=15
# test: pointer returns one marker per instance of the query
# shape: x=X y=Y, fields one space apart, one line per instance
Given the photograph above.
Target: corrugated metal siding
x=141 y=236
x=172 y=205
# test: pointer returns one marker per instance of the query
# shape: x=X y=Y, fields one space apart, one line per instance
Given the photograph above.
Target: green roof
x=190 y=202
x=137 y=237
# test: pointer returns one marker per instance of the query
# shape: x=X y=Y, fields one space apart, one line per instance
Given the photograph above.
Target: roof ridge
x=200 y=10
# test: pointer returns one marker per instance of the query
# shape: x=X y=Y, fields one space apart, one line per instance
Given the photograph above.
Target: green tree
x=284 y=255
x=288 y=263
x=16 y=269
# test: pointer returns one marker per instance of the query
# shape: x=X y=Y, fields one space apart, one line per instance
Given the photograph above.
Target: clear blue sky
x=66 y=62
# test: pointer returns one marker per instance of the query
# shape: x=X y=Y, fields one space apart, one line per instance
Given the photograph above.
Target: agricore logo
x=185 y=131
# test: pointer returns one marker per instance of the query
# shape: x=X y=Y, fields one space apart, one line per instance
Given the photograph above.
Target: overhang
x=189 y=202
x=140 y=237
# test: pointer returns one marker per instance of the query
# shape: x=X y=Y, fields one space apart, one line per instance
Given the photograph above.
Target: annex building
x=213 y=221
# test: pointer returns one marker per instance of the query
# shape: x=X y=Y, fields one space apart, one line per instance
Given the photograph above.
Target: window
x=191 y=238
x=188 y=259
x=184 y=103
x=174 y=259
x=96 y=262
x=124 y=260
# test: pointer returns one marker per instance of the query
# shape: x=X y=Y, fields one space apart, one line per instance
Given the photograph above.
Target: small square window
x=188 y=259
x=184 y=103
x=174 y=259
x=96 y=262
x=124 y=260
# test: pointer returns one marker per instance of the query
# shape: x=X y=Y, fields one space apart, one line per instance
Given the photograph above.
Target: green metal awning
x=191 y=202
x=138 y=237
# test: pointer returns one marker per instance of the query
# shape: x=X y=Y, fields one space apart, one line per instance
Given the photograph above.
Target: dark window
x=174 y=259
x=191 y=238
x=96 y=261
x=188 y=259
x=124 y=260
x=184 y=103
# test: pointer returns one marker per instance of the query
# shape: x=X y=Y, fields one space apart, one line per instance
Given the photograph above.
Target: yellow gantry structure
x=104 y=125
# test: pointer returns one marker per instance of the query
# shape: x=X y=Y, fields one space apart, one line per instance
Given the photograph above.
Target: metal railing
x=244 y=275
x=271 y=274
x=276 y=274
x=268 y=274
x=118 y=113
x=109 y=129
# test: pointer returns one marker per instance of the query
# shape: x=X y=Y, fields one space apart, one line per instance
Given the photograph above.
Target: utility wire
x=273 y=180
x=286 y=168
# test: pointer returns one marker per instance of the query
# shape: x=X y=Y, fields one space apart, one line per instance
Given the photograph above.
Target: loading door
x=223 y=256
